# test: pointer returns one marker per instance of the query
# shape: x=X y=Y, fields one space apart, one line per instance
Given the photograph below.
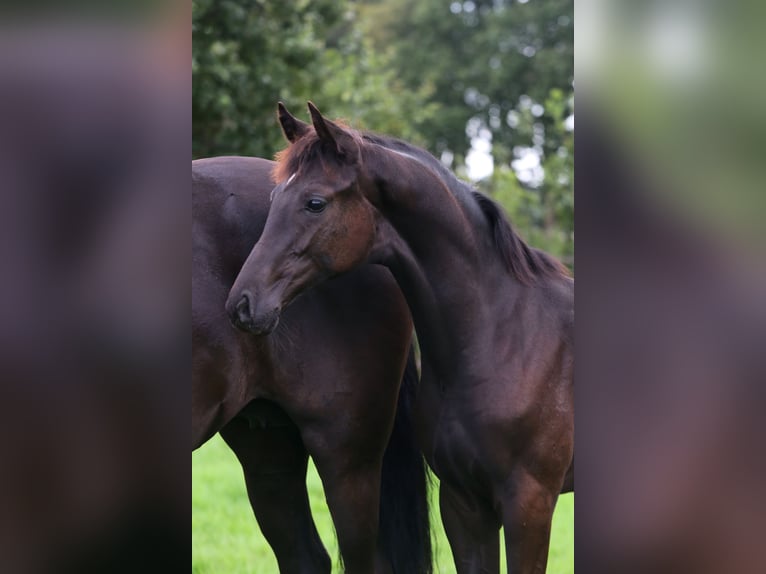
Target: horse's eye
x=316 y=205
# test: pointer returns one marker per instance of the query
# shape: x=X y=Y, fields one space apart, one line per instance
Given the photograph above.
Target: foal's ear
x=292 y=127
x=334 y=136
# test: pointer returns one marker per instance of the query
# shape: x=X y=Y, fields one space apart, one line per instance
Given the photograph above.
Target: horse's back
x=230 y=202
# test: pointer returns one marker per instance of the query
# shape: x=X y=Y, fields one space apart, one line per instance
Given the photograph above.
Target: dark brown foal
x=494 y=318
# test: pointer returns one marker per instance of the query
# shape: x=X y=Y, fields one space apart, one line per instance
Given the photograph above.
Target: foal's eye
x=316 y=205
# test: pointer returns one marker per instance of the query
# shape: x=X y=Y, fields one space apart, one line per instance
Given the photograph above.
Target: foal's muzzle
x=246 y=315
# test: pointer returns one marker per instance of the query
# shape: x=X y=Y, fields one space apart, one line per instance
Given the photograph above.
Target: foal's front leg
x=472 y=530
x=351 y=479
x=274 y=461
x=527 y=514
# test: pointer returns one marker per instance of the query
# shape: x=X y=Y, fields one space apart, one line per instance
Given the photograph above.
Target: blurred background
x=94 y=288
x=484 y=85
x=94 y=355
x=671 y=286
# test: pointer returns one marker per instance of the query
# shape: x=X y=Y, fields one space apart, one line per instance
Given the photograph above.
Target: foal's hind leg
x=527 y=513
x=472 y=530
x=274 y=461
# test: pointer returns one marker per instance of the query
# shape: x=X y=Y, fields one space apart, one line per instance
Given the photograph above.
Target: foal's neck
x=442 y=257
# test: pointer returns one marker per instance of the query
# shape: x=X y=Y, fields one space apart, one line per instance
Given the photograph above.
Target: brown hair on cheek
x=349 y=237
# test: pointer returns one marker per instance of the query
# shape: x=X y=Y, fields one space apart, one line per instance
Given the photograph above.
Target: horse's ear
x=292 y=127
x=333 y=135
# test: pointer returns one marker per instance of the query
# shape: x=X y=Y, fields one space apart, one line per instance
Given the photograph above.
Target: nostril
x=243 y=308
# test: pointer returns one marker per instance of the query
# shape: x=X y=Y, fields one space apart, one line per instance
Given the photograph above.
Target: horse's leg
x=352 y=489
x=472 y=530
x=274 y=461
x=527 y=513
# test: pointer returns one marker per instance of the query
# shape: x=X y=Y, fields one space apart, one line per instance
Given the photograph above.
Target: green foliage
x=246 y=56
x=480 y=56
x=249 y=54
x=544 y=213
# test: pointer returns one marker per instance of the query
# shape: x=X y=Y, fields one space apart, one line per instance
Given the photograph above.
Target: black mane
x=525 y=263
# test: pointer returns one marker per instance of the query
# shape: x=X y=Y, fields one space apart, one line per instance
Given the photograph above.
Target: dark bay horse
x=324 y=383
x=494 y=318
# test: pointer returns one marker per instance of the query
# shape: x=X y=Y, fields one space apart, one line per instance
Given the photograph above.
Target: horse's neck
x=443 y=264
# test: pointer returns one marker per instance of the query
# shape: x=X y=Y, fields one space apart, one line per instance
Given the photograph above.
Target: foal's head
x=320 y=223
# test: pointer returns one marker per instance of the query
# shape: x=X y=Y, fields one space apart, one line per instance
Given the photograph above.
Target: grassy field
x=226 y=539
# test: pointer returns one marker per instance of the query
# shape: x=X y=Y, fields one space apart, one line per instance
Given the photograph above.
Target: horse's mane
x=527 y=264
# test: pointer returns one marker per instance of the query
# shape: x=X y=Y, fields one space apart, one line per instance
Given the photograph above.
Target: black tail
x=405 y=533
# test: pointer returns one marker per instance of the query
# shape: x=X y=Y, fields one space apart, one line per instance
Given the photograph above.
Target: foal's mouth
x=264 y=324
x=261 y=323
x=248 y=312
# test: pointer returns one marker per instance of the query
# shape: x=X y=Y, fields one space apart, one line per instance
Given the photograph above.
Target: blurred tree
x=245 y=56
x=249 y=54
x=543 y=210
x=501 y=71
x=480 y=59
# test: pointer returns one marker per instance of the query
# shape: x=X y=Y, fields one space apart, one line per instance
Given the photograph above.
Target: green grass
x=226 y=539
